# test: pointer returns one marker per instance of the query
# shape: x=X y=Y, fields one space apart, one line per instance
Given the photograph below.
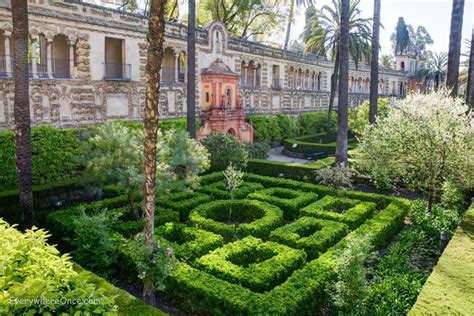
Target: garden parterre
x=269 y=250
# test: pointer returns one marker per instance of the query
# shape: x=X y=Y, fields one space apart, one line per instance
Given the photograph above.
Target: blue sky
x=434 y=15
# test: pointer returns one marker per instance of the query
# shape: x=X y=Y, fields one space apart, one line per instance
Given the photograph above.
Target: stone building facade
x=87 y=66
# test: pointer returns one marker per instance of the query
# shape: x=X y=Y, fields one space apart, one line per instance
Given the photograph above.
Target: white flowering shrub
x=337 y=176
x=423 y=141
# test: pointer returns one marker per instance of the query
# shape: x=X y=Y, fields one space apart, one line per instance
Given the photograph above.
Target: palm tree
x=191 y=69
x=21 y=111
x=454 y=54
x=470 y=76
x=386 y=61
x=374 y=66
x=341 y=142
x=321 y=36
x=155 y=37
x=434 y=71
x=291 y=16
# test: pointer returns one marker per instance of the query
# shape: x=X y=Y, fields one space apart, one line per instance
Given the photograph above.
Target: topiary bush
x=310 y=123
x=253 y=218
x=253 y=263
x=225 y=149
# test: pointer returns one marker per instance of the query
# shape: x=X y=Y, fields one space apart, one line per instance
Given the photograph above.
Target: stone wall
x=87 y=89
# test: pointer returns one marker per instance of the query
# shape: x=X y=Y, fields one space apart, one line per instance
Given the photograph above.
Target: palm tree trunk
x=341 y=142
x=291 y=14
x=191 y=69
x=470 y=77
x=155 y=37
x=332 y=95
x=374 y=65
x=455 y=46
x=21 y=111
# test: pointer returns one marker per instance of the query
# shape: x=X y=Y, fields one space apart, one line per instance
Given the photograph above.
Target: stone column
x=49 y=57
x=8 y=58
x=34 y=64
x=255 y=76
x=245 y=75
x=71 y=58
x=176 y=65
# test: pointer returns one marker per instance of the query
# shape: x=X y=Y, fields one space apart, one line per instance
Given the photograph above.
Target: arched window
x=60 y=54
x=402 y=65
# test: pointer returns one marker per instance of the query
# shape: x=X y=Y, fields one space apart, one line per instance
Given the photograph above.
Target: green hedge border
x=318 y=143
x=322 y=234
x=217 y=190
x=280 y=197
x=183 y=202
x=256 y=276
x=270 y=217
x=357 y=211
x=289 y=170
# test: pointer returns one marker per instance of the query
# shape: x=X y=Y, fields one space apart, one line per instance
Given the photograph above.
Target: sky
x=434 y=15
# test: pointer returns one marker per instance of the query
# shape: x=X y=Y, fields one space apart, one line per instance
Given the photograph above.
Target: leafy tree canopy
x=247 y=19
x=424 y=141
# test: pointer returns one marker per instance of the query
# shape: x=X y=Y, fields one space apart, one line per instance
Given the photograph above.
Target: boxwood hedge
x=253 y=263
x=183 y=202
x=349 y=211
x=290 y=201
x=313 y=235
x=218 y=191
x=247 y=217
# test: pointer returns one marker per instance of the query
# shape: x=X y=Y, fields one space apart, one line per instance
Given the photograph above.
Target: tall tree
x=291 y=17
x=470 y=77
x=454 y=54
x=191 y=69
x=374 y=66
x=21 y=109
x=155 y=38
x=343 y=100
x=401 y=37
x=321 y=37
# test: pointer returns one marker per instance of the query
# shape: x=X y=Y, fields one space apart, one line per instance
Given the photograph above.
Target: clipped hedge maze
x=313 y=235
x=271 y=250
x=237 y=218
x=290 y=201
x=255 y=264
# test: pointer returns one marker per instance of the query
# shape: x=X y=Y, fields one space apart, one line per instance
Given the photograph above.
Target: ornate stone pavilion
x=88 y=64
x=222 y=109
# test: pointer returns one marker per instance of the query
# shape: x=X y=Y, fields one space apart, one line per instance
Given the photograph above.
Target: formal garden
x=236 y=233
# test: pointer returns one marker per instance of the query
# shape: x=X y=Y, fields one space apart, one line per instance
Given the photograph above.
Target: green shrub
x=287 y=124
x=434 y=222
x=359 y=118
x=254 y=218
x=265 y=128
x=34 y=270
x=54 y=153
x=351 y=212
x=309 y=123
x=252 y=263
x=290 y=201
x=258 y=150
x=93 y=242
x=312 y=235
x=188 y=243
x=225 y=149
